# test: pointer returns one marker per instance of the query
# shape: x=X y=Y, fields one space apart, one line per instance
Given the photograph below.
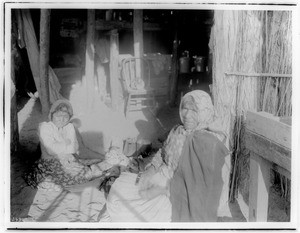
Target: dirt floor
x=31 y=205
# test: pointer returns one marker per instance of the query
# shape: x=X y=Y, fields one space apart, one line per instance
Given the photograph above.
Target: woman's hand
x=146 y=177
x=134 y=165
x=114 y=171
x=153 y=192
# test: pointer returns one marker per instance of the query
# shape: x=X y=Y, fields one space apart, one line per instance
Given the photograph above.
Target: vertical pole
x=259 y=188
x=44 y=60
x=138 y=40
x=114 y=68
x=174 y=66
x=14 y=132
x=88 y=79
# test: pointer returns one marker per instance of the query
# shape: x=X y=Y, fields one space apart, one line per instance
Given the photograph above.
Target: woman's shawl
x=197 y=183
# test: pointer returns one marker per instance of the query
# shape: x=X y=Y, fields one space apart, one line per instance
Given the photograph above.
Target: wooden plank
x=88 y=79
x=270 y=127
x=44 y=60
x=286 y=120
x=138 y=40
x=259 y=188
x=268 y=150
x=114 y=67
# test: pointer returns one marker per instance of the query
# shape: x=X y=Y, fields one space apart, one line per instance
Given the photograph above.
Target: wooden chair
x=140 y=94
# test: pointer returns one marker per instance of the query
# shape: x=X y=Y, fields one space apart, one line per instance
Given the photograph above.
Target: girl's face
x=60 y=118
x=189 y=116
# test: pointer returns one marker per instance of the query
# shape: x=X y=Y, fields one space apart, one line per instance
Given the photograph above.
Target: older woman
x=184 y=181
x=59 y=165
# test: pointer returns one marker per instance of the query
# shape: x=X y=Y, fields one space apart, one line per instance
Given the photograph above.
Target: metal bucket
x=200 y=64
x=184 y=65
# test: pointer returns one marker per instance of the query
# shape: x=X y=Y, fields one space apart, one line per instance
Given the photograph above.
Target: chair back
x=136 y=74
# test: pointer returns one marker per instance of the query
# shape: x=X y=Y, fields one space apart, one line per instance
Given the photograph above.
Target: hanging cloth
x=25 y=26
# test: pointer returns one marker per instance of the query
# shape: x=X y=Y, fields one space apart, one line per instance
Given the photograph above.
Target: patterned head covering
x=206 y=113
x=202 y=104
x=56 y=104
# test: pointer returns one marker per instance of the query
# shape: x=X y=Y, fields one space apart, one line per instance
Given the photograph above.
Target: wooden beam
x=268 y=150
x=270 y=127
x=138 y=40
x=124 y=25
x=174 y=66
x=44 y=60
x=114 y=68
x=259 y=188
x=88 y=79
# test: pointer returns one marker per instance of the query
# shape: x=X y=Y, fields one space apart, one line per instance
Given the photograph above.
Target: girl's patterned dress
x=58 y=167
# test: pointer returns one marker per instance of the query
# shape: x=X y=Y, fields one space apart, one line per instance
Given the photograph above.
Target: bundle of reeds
x=236 y=44
x=276 y=92
x=244 y=44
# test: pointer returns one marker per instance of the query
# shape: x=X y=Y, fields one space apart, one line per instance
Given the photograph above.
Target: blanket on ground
x=80 y=203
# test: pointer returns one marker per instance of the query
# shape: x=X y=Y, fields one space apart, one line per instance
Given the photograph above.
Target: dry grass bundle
x=236 y=43
x=276 y=93
x=240 y=43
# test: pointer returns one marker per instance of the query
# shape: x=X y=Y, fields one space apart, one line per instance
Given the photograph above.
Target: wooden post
x=138 y=40
x=259 y=188
x=114 y=68
x=14 y=129
x=44 y=60
x=88 y=79
x=174 y=66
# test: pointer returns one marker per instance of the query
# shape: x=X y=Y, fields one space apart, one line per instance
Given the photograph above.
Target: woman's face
x=189 y=115
x=60 y=118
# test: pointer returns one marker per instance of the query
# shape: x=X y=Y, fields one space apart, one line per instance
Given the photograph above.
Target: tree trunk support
x=138 y=40
x=44 y=60
x=88 y=78
x=114 y=68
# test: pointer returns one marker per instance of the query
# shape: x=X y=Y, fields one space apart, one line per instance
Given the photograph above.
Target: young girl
x=59 y=165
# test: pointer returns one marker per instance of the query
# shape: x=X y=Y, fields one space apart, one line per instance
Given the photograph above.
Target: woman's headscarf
x=56 y=104
x=203 y=106
x=206 y=112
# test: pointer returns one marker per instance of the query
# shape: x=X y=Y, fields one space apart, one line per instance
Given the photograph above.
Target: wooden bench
x=269 y=140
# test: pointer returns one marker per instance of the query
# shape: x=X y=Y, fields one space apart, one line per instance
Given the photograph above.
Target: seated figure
x=183 y=181
x=60 y=165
